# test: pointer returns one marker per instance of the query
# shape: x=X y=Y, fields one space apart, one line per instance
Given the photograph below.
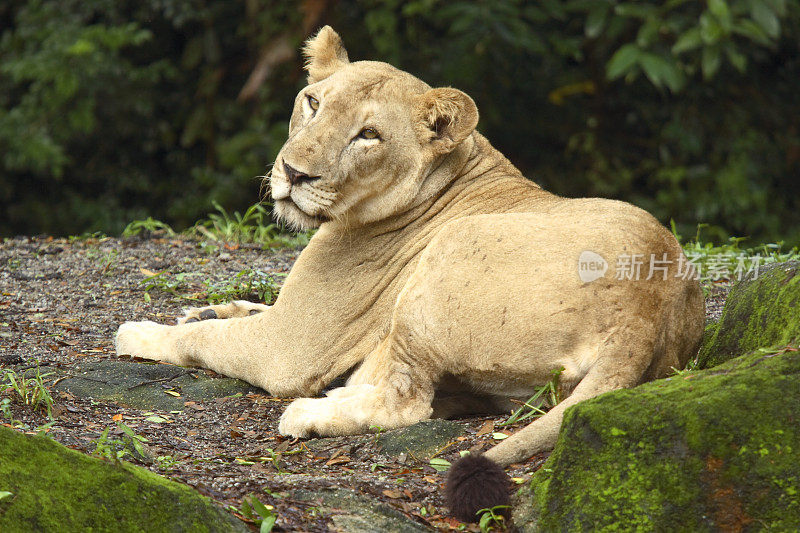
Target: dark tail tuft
x=475 y=482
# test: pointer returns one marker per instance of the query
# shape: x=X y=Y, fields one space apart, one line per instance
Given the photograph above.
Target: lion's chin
x=288 y=213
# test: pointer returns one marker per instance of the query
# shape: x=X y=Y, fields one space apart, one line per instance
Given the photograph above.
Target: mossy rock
x=716 y=450
x=761 y=310
x=57 y=489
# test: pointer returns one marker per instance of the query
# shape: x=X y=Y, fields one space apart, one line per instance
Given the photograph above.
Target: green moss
x=713 y=450
x=759 y=312
x=58 y=489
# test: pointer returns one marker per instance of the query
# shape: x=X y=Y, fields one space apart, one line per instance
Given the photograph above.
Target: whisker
x=265 y=181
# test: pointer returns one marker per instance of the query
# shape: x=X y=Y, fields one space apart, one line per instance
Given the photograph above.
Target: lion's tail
x=475 y=482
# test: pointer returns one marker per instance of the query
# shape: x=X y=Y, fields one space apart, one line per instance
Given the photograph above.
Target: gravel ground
x=61 y=302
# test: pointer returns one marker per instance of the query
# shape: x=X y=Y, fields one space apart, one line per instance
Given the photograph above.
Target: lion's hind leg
x=622 y=362
x=235 y=309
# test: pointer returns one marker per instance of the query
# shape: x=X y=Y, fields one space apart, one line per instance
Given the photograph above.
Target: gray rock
x=357 y=513
x=141 y=385
x=421 y=440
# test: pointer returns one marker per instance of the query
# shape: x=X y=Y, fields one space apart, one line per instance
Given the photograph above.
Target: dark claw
x=254 y=312
x=208 y=314
x=193 y=319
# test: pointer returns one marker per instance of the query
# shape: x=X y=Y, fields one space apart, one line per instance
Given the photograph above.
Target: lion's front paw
x=236 y=309
x=302 y=417
x=142 y=339
x=348 y=412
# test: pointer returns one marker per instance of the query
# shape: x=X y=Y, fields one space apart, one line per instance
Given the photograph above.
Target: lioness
x=437 y=269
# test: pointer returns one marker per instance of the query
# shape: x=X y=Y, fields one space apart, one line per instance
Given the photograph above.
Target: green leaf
x=499 y=436
x=711 y=61
x=752 y=31
x=661 y=71
x=125 y=429
x=719 y=8
x=483 y=524
x=439 y=464
x=689 y=40
x=739 y=61
x=137 y=445
x=259 y=507
x=648 y=33
x=5 y=494
x=596 y=21
x=635 y=10
x=81 y=47
x=247 y=509
x=268 y=524
x=766 y=18
x=710 y=30
x=622 y=61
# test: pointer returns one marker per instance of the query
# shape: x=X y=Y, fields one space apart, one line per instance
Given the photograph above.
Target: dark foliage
x=113 y=110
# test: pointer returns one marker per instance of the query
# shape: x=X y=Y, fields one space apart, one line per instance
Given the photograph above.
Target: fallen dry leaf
x=338 y=460
x=486 y=428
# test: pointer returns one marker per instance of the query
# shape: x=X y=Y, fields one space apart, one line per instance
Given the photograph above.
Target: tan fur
x=437 y=265
x=325 y=54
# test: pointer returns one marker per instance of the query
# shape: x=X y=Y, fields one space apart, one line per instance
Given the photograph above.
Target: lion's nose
x=295 y=176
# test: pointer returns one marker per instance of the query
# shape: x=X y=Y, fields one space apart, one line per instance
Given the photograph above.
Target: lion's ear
x=325 y=54
x=447 y=116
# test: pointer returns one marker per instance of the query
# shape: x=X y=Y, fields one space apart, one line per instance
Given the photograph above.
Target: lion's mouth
x=288 y=203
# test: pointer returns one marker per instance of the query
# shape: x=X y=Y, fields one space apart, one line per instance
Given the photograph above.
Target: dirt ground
x=60 y=304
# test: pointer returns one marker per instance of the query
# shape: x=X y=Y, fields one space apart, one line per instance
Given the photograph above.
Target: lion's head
x=363 y=138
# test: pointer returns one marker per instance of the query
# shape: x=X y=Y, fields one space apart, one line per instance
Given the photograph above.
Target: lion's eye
x=369 y=133
x=313 y=103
